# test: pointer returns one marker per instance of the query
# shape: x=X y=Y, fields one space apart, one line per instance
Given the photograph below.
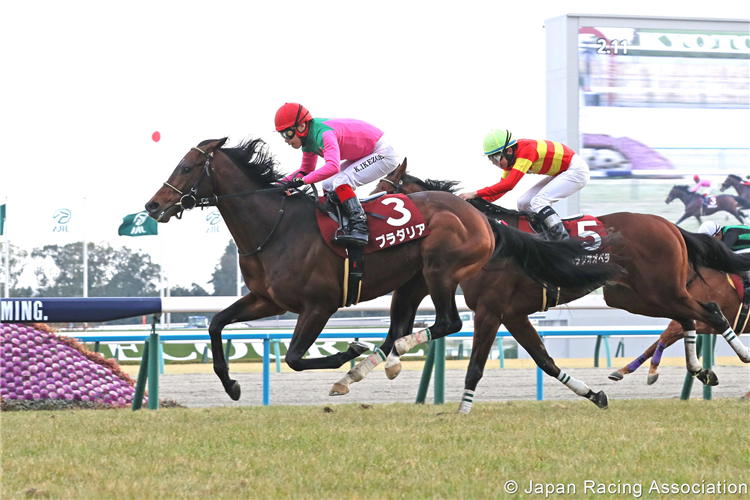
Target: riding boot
x=552 y=224
x=356 y=233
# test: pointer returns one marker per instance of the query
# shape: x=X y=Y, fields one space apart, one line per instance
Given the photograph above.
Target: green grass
x=385 y=451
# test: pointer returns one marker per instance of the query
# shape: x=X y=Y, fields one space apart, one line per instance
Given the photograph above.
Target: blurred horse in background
x=695 y=207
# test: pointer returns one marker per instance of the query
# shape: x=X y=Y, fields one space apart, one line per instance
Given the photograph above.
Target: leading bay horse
x=694 y=204
x=742 y=188
x=287 y=266
x=654 y=253
x=717 y=287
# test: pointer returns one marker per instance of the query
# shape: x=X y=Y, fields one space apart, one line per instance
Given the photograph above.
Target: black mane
x=254 y=159
x=432 y=184
x=735 y=176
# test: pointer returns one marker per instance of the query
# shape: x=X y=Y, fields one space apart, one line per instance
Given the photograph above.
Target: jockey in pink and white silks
x=702 y=183
x=355 y=153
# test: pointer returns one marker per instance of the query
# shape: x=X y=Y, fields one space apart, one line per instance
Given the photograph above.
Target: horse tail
x=705 y=251
x=742 y=202
x=551 y=262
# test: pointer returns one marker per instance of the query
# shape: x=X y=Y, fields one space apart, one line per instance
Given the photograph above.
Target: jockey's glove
x=292 y=183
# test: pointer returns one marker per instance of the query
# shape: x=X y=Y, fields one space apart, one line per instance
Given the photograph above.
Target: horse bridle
x=398 y=186
x=189 y=200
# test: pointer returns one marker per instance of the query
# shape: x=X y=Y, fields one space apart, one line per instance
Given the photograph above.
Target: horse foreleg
x=529 y=339
x=248 y=308
x=684 y=216
x=672 y=334
x=310 y=323
x=486 y=325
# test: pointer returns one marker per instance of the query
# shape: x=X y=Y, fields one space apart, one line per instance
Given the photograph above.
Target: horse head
x=393 y=182
x=731 y=180
x=190 y=181
x=679 y=192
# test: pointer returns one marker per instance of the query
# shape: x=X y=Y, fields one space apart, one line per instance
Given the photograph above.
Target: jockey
x=702 y=183
x=365 y=152
x=567 y=174
x=737 y=238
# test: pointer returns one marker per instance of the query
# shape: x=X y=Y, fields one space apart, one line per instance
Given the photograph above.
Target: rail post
x=140 y=384
x=278 y=356
x=440 y=371
x=153 y=369
x=266 y=371
x=424 y=383
x=708 y=362
x=227 y=351
x=689 y=377
x=501 y=352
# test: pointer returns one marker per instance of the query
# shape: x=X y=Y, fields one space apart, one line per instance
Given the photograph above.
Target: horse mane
x=254 y=159
x=432 y=184
x=484 y=206
x=735 y=177
x=682 y=187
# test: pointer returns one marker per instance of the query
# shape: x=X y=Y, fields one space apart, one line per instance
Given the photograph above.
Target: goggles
x=288 y=134
x=497 y=156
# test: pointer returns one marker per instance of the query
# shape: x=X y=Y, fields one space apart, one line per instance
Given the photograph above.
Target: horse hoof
x=616 y=376
x=338 y=390
x=651 y=380
x=601 y=400
x=234 y=390
x=708 y=377
x=393 y=371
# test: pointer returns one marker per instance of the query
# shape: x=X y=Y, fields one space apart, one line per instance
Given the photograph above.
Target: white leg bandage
x=405 y=343
x=466 y=401
x=362 y=368
x=742 y=351
x=691 y=358
x=574 y=385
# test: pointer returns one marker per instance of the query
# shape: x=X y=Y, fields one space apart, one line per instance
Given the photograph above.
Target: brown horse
x=743 y=190
x=656 y=257
x=694 y=204
x=289 y=267
x=716 y=287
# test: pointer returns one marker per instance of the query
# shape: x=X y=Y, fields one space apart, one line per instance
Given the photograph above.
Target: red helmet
x=696 y=177
x=291 y=114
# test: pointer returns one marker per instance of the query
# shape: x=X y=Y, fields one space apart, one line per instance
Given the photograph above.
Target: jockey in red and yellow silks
x=566 y=173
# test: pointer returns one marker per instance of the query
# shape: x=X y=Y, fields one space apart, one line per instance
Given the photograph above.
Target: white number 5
x=589 y=234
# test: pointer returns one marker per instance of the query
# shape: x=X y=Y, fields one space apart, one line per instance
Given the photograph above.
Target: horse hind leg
x=442 y=291
x=529 y=339
x=486 y=325
x=404 y=305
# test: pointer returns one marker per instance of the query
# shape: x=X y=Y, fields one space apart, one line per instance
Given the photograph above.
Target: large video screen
x=656 y=109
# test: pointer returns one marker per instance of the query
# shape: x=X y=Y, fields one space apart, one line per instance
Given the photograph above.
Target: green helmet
x=497 y=140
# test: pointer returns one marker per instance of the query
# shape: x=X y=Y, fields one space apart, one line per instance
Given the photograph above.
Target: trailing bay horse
x=694 y=204
x=743 y=189
x=716 y=287
x=655 y=254
x=287 y=265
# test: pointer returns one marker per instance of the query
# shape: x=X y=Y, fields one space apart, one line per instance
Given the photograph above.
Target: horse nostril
x=151 y=206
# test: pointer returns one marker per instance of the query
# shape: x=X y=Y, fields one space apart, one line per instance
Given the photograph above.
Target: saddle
x=391 y=220
x=742 y=285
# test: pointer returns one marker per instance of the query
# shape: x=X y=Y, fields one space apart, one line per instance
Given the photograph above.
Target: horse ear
x=221 y=143
x=401 y=169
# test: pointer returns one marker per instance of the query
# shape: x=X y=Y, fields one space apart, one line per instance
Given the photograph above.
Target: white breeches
x=381 y=162
x=553 y=189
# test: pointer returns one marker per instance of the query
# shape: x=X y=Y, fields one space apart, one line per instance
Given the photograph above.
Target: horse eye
x=185 y=170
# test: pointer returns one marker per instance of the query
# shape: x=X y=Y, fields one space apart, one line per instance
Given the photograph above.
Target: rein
x=189 y=200
x=399 y=187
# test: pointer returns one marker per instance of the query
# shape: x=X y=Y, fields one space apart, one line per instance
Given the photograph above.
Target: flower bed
x=57 y=371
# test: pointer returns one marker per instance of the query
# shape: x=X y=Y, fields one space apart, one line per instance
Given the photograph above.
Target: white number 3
x=398 y=206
